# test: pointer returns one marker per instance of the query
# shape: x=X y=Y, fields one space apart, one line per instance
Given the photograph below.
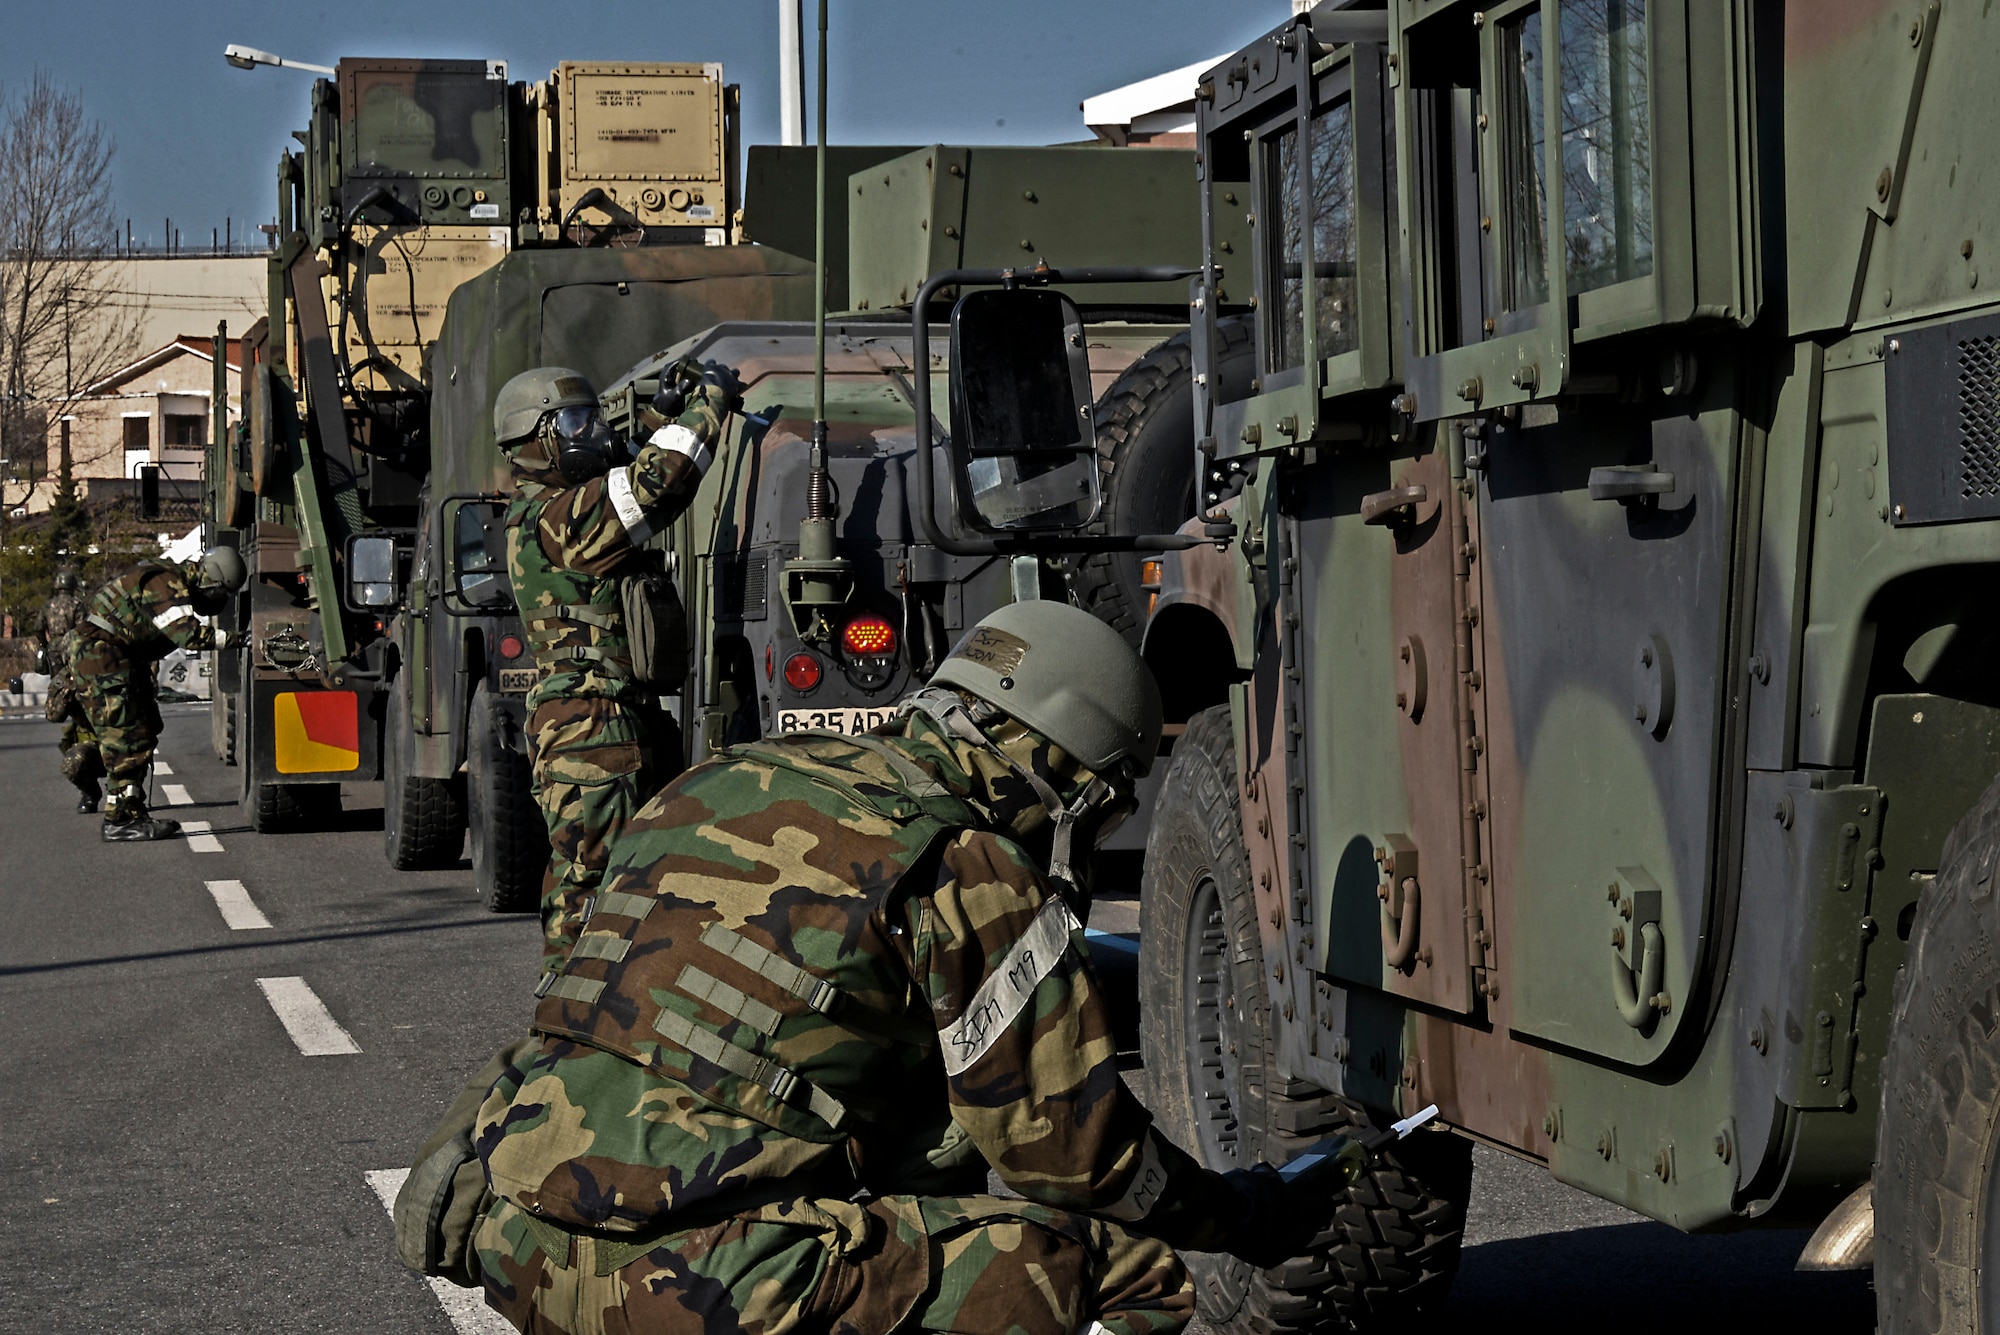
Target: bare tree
x=62 y=324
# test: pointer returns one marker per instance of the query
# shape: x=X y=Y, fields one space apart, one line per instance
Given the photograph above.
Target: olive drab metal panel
x=429 y=135
x=1604 y=614
x=947 y=207
x=1397 y=904
x=650 y=137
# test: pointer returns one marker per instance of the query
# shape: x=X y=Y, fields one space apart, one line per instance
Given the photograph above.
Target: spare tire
x=1146 y=461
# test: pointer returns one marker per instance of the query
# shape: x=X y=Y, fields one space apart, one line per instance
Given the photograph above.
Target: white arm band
x=683 y=441
x=618 y=487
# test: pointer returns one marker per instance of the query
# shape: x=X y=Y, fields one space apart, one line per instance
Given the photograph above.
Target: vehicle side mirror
x=374 y=572
x=479 y=556
x=1023 y=445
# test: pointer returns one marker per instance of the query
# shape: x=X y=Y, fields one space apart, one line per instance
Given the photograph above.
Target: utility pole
x=791 y=74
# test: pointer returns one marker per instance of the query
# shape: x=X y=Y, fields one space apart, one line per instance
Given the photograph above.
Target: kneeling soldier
x=830 y=982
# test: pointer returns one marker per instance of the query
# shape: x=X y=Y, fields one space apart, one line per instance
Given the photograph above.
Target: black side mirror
x=1023 y=446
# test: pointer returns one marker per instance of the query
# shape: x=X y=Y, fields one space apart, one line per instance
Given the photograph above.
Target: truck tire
x=423 y=819
x=1204 y=1033
x=1146 y=462
x=1937 y=1148
x=510 y=842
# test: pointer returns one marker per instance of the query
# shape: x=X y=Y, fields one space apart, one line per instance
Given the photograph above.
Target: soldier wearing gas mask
x=600 y=614
x=830 y=982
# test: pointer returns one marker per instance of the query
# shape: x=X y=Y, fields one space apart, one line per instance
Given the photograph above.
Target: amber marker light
x=802 y=672
x=869 y=637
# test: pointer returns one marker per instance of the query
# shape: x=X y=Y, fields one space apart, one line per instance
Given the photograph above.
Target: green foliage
x=96 y=543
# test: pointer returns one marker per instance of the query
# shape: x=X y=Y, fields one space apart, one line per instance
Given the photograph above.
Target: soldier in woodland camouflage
x=827 y=985
x=584 y=508
x=81 y=763
x=133 y=622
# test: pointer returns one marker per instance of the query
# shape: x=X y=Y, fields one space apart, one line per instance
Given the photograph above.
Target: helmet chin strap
x=949 y=711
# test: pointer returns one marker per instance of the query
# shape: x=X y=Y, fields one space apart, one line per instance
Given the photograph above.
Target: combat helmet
x=1066 y=675
x=65 y=580
x=523 y=401
x=221 y=569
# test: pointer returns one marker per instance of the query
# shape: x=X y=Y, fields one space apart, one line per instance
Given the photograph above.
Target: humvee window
x=1606 y=143
x=1286 y=346
x=1524 y=171
x=1329 y=179
x=1333 y=228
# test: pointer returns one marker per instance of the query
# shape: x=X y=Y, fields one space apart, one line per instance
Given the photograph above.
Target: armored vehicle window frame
x=1339 y=99
x=1682 y=156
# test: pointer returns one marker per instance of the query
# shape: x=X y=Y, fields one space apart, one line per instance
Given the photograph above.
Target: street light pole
x=249 y=58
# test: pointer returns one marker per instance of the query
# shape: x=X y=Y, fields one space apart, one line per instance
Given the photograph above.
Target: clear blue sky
x=198 y=140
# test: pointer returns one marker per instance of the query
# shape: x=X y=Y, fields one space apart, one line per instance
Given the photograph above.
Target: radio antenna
x=817 y=582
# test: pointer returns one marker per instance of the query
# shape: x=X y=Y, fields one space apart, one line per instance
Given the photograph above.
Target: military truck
x=1602 y=746
x=417 y=178
x=782 y=638
x=458 y=665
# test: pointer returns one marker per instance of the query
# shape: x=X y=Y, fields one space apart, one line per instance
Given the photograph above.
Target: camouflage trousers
x=120 y=706
x=592 y=771
x=966 y=1264
x=82 y=763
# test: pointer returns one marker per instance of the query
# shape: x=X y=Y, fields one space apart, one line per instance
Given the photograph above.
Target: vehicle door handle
x=1629 y=484
x=1397 y=505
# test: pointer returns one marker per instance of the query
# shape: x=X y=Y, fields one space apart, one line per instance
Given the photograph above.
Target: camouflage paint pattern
x=957 y=1026
x=567 y=547
x=1565 y=704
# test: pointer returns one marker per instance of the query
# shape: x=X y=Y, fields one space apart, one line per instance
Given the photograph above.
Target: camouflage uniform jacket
x=567 y=548
x=814 y=969
x=148 y=612
x=61 y=616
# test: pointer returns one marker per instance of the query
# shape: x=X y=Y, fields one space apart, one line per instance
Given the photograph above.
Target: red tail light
x=869 y=637
x=510 y=646
x=802 y=672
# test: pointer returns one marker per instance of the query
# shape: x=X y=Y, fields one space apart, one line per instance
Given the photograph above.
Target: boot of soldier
x=126 y=821
x=87 y=798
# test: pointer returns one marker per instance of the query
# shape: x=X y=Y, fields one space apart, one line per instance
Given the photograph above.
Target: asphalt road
x=174 y=1162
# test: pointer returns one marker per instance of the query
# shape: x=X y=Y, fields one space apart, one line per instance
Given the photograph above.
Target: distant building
x=1152 y=113
x=171 y=295
x=154 y=411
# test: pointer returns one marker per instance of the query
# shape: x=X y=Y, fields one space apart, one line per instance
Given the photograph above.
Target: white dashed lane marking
x=467 y=1311
x=307 y=1019
x=199 y=840
x=161 y=769
x=238 y=909
x=176 y=795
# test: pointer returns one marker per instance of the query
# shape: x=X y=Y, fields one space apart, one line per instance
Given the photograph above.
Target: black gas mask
x=583 y=444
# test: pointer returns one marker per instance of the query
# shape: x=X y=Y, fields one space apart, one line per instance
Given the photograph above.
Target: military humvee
x=1603 y=741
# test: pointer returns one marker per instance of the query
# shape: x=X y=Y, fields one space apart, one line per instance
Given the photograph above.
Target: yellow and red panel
x=315 y=732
